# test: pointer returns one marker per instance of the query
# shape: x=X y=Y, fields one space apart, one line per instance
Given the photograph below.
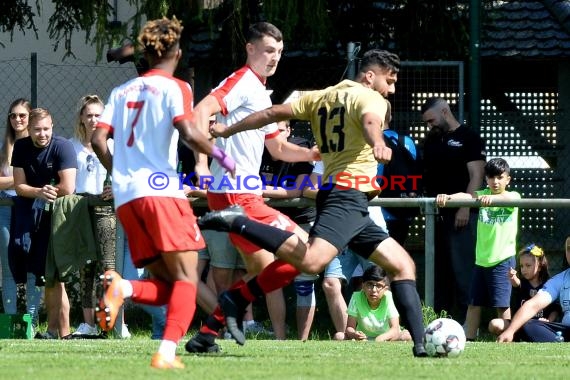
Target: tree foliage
x=416 y=29
x=18 y=15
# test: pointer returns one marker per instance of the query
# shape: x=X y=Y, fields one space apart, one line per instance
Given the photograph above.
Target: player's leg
x=338 y=224
x=182 y=270
x=167 y=249
x=399 y=265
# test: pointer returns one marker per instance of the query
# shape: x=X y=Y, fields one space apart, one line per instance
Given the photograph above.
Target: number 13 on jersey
x=331 y=124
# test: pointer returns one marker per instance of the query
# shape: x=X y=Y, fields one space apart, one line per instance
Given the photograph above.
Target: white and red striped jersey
x=240 y=95
x=141 y=114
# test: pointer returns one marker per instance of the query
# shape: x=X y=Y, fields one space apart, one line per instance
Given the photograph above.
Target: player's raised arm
x=256 y=120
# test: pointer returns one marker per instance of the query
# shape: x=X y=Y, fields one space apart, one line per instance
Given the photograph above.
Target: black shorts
x=343 y=220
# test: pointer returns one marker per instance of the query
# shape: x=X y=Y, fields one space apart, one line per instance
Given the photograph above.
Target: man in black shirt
x=454 y=159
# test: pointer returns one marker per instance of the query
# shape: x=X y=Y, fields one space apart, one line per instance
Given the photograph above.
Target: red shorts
x=155 y=225
x=256 y=209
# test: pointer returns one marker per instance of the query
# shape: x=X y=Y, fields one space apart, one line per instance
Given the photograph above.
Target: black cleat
x=234 y=317
x=220 y=220
x=419 y=351
x=202 y=344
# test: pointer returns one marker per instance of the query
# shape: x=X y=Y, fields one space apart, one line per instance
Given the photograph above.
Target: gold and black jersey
x=336 y=116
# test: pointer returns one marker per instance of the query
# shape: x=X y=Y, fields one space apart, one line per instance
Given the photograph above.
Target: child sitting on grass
x=372 y=314
x=534 y=271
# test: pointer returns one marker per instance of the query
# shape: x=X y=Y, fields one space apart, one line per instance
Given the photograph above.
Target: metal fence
x=531 y=137
x=58 y=87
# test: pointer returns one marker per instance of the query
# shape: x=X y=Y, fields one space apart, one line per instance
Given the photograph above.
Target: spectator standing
x=89 y=182
x=45 y=168
x=454 y=158
x=16 y=128
x=497 y=228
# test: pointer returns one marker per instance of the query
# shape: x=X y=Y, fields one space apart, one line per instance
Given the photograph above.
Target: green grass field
x=268 y=359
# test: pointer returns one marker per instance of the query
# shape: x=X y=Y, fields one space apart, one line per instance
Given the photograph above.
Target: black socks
x=265 y=236
x=409 y=306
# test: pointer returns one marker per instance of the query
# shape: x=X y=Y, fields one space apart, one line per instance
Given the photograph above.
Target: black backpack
x=402 y=176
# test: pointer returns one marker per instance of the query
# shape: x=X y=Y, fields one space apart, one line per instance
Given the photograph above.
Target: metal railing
x=427 y=207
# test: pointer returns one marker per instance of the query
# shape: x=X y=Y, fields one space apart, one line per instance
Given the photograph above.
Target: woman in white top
x=90 y=180
x=16 y=128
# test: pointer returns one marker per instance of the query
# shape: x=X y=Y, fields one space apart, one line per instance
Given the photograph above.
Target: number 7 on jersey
x=138 y=106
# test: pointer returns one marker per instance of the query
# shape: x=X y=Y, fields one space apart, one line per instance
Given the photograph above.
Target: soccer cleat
x=202 y=343
x=220 y=220
x=419 y=351
x=158 y=361
x=234 y=317
x=111 y=302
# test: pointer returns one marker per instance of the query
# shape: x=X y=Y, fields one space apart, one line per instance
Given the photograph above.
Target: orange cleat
x=110 y=304
x=158 y=361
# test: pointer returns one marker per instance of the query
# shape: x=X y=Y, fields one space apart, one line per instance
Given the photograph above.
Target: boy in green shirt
x=496 y=245
x=372 y=314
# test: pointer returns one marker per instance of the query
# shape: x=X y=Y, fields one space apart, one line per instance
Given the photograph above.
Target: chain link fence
x=58 y=87
x=524 y=127
x=529 y=134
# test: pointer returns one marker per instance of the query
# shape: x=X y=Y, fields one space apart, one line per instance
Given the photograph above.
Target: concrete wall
x=60 y=83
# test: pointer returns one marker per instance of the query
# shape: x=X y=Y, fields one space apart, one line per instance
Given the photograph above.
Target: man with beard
x=454 y=159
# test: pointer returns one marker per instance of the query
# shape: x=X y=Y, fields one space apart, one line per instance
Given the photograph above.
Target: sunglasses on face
x=19 y=115
x=534 y=250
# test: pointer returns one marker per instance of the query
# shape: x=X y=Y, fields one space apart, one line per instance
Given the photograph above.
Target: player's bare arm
x=372 y=128
x=256 y=120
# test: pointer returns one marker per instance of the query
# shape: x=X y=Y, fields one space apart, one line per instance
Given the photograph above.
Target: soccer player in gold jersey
x=347 y=121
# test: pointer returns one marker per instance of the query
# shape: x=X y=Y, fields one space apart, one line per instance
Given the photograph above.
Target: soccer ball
x=444 y=337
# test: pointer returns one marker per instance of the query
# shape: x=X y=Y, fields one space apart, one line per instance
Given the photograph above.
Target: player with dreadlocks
x=150 y=204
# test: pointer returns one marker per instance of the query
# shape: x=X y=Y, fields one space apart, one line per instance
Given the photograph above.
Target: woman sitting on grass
x=372 y=314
